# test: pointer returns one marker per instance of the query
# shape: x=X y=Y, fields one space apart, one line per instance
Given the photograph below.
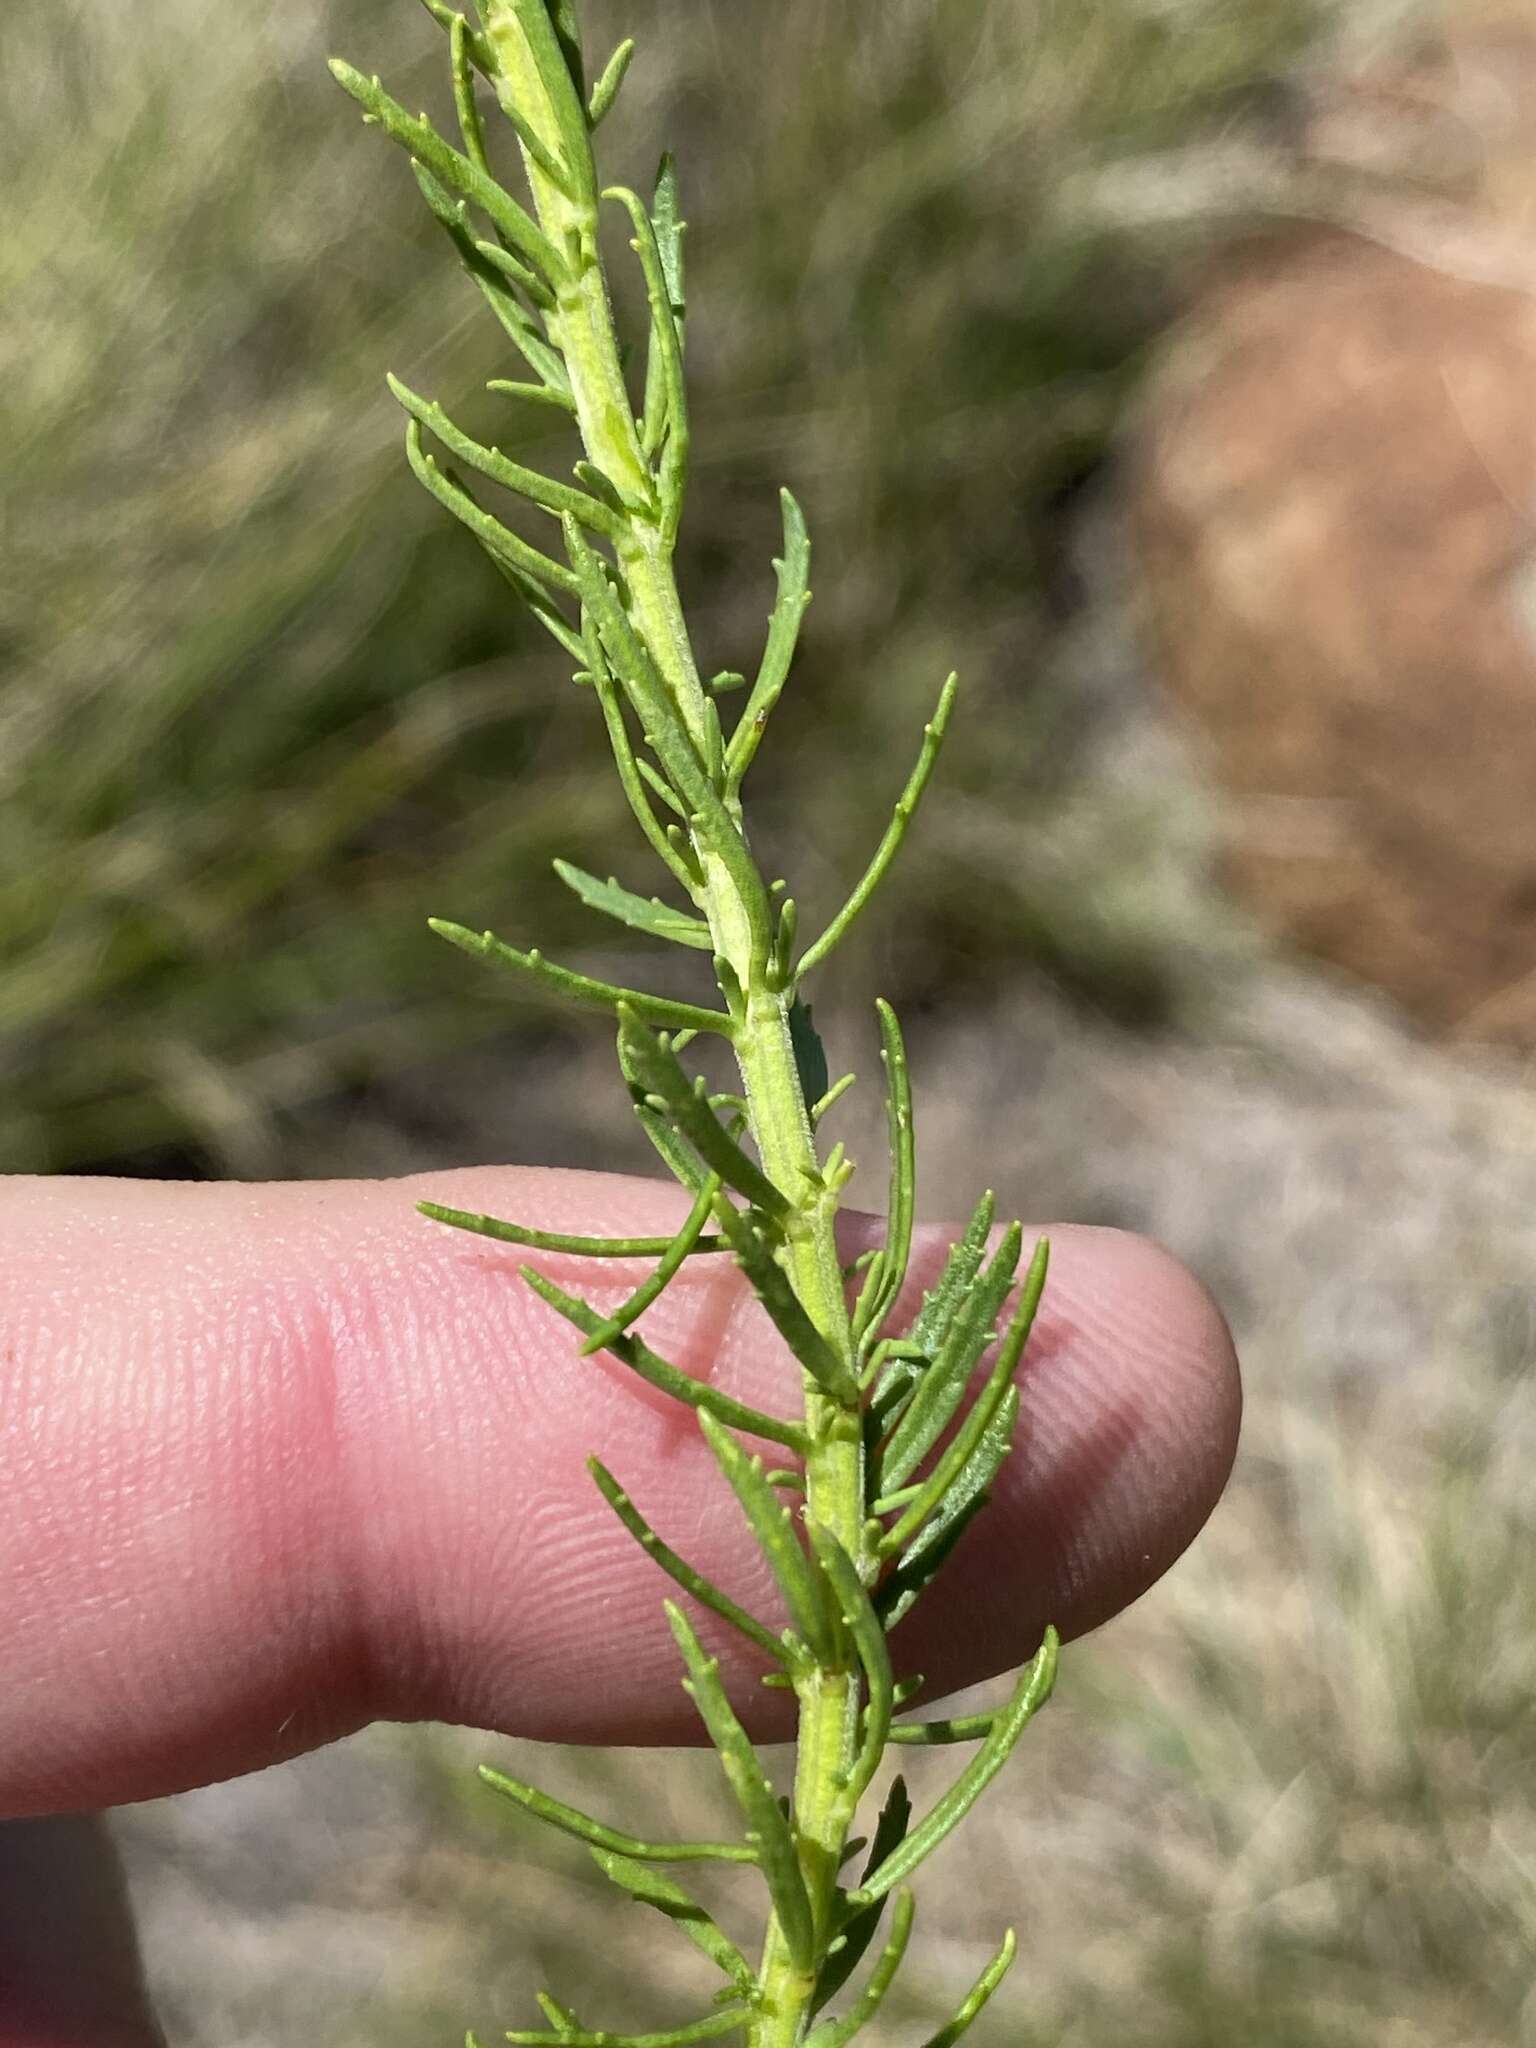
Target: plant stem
x=581 y=326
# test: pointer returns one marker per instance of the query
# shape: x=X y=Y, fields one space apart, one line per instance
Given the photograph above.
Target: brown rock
x=1335 y=511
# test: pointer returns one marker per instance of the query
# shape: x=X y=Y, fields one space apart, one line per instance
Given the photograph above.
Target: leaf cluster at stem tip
x=893 y=1425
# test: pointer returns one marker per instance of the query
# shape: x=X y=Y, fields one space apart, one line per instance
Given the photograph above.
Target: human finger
x=279 y=1460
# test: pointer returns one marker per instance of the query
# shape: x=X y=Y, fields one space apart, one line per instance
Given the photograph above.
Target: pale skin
x=277 y=1461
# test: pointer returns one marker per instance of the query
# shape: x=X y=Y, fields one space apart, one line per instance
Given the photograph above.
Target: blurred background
x=1165 y=366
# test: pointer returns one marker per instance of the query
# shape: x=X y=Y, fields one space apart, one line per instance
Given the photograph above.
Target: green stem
x=581 y=327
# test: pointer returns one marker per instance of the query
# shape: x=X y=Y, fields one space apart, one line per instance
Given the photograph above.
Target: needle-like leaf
x=895 y=833
x=628 y=763
x=640 y=913
x=656 y=1284
x=793 y=571
x=486 y=264
x=705 y=1591
x=465 y=105
x=454 y=169
x=942 y=1387
x=559 y=1240
x=726 y=2021
x=600 y=995
x=499 y=541
x=652 y=1068
x=859 y=1928
x=767 y=1829
x=665 y=425
x=598 y=1835
x=666 y=732
x=771 y=1285
x=837 y=2033
x=479 y=49
x=544 y=491
x=1030 y=1694
x=648 y=1887
x=561 y=2019
x=988 y=1405
x=611 y=77
x=897 y=1381
x=868 y=1634
x=889 y=1270
x=774 y=1527
x=928 y=1551
x=980 y=1992
x=657 y=1372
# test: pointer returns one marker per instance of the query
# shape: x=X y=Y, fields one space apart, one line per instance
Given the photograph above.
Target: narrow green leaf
x=563 y=13
x=931 y=1548
x=770 y=1283
x=693 y=1582
x=667 y=219
x=767 y=1829
x=561 y=1241
x=647 y=1887
x=640 y=913
x=658 y=785
x=465 y=104
x=941 y=1305
x=454 y=169
x=942 y=1387
x=793 y=572
x=726 y=2021
x=499 y=542
x=489 y=267
x=864 y=1626
x=1031 y=1693
x=655 y=1285
x=479 y=49
x=984 y=1410
x=538 y=156
x=906 y=1362
x=554 y=46
x=937 y=1734
x=678 y=1158
x=902 y=1587
x=650 y=1066
x=542 y=606
x=628 y=765
x=533 y=394
x=649 y=1366
x=980 y=1992
x=773 y=1525
x=602 y=485
x=666 y=733
x=810 y=1054
x=606 y=90
x=601 y=995
x=666 y=409
x=544 y=491
x=849 y=1946
x=560 y=2017
x=837 y=2033
x=597 y=1834
x=890 y=845
x=497 y=257
x=889 y=1271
